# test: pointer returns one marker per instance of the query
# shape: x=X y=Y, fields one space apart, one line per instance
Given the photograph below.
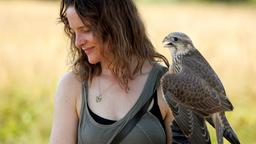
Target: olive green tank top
x=147 y=131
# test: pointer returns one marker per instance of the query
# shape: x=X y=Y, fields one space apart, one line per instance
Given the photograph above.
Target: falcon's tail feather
x=218 y=127
x=229 y=133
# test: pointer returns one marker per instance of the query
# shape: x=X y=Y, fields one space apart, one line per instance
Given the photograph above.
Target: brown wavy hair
x=118 y=23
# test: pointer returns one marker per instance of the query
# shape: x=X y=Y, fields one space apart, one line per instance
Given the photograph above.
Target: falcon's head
x=178 y=43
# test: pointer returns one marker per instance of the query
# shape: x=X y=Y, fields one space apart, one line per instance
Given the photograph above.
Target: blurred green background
x=34 y=50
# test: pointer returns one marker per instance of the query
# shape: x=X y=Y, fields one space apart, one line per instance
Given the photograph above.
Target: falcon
x=194 y=92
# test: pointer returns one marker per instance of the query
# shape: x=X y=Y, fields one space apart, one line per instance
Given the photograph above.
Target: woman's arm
x=65 y=118
x=167 y=122
x=167 y=115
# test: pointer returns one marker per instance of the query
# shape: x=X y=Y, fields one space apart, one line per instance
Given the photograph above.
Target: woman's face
x=85 y=37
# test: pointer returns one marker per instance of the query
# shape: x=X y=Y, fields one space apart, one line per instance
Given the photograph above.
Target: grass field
x=33 y=55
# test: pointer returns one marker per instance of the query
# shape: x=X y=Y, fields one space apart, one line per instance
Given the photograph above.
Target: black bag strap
x=130 y=125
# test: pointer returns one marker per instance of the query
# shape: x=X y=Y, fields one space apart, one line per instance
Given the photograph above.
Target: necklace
x=99 y=97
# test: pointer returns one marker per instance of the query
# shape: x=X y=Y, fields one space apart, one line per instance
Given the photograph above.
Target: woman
x=114 y=73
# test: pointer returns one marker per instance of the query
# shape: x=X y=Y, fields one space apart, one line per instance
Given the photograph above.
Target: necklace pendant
x=98 y=98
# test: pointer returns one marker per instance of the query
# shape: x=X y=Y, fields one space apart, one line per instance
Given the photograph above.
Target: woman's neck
x=105 y=66
x=106 y=70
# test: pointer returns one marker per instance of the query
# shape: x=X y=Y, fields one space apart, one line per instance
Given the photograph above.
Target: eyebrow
x=79 y=28
x=82 y=27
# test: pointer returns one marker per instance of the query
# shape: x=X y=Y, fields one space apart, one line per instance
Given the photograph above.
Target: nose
x=80 y=40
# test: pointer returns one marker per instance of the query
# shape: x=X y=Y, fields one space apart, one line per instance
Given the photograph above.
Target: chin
x=93 y=61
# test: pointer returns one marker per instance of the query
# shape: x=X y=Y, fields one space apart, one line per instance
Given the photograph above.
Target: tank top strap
x=151 y=85
x=84 y=94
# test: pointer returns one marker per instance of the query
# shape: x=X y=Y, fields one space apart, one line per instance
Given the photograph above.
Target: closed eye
x=85 y=30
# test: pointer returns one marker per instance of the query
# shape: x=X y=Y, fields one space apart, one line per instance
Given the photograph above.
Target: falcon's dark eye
x=175 y=39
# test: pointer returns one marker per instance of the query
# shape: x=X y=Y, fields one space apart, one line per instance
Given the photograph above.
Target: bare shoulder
x=69 y=88
x=69 y=82
x=69 y=79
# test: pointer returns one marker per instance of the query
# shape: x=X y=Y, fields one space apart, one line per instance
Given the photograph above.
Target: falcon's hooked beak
x=168 y=42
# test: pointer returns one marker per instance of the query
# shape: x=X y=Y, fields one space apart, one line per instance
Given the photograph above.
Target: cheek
x=98 y=53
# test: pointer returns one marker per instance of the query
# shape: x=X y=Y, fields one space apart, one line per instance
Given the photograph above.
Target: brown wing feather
x=200 y=67
x=191 y=124
x=194 y=93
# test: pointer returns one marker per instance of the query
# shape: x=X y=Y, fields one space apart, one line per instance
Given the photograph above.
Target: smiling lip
x=88 y=50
